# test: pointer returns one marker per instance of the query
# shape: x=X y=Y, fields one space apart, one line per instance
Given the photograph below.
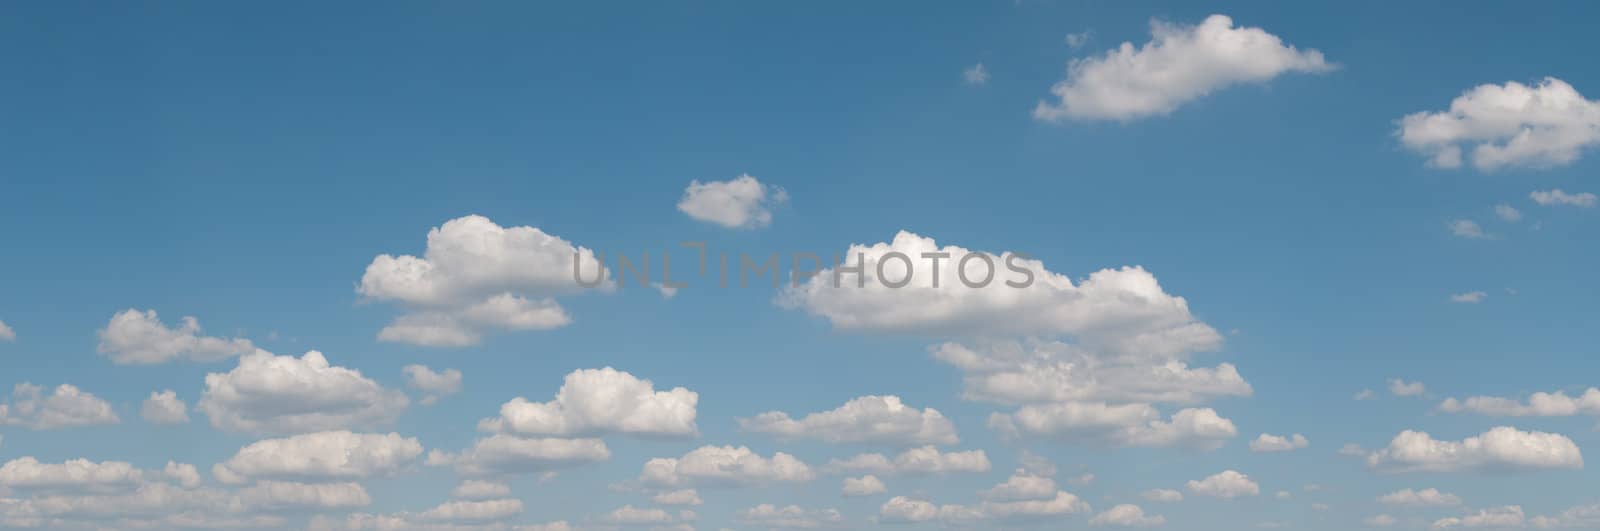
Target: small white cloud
x=740 y=203
x=329 y=455
x=1513 y=124
x=1508 y=213
x=1506 y=517
x=1021 y=486
x=135 y=337
x=6 y=333
x=163 y=407
x=922 y=460
x=1365 y=394
x=65 y=407
x=868 y=419
x=1077 y=40
x=1163 y=495
x=1126 y=515
x=863 y=486
x=1420 y=498
x=1227 y=484
x=793 y=516
x=600 y=401
x=1471 y=297
x=724 y=465
x=677 y=497
x=504 y=455
x=1382 y=520
x=1541 y=404
x=1466 y=228
x=284 y=394
x=1558 y=197
x=475 y=489
x=1180 y=64
x=975 y=75
x=434 y=385
x=1399 y=387
x=1267 y=443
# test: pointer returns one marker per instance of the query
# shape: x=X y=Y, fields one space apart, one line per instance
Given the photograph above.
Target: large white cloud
x=1545 y=125
x=163 y=407
x=724 y=465
x=1122 y=311
x=920 y=460
x=503 y=454
x=135 y=337
x=868 y=419
x=1098 y=423
x=321 y=456
x=1180 y=64
x=266 y=393
x=65 y=407
x=599 y=401
x=1126 y=515
x=476 y=276
x=1227 y=484
x=1557 y=404
x=739 y=203
x=1499 y=449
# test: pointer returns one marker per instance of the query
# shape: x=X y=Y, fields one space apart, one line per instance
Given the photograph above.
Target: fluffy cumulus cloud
x=1101 y=424
x=868 y=419
x=1558 y=197
x=286 y=495
x=1022 y=485
x=84 y=494
x=6 y=333
x=83 y=475
x=1012 y=372
x=1399 y=387
x=135 y=337
x=1227 y=484
x=601 y=401
x=476 y=276
x=867 y=485
x=1510 y=125
x=1180 y=64
x=1499 y=449
x=505 y=455
x=912 y=510
x=723 y=466
x=65 y=407
x=739 y=203
x=454 y=515
x=789 y=517
x=274 y=394
x=163 y=407
x=1126 y=515
x=677 y=497
x=433 y=385
x=921 y=460
x=1267 y=443
x=321 y=456
x=1162 y=495
x=1541 y=404
x=1506 y=517
x=474 y=489
x=1420 y=498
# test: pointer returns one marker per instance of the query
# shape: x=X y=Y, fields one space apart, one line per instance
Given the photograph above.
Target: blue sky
x=245 y=165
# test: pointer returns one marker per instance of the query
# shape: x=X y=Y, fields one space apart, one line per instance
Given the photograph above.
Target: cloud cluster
x=1539 y=126
x=868 y=419
x=476 y=276
x=65 y=407
x=1557 y=404
x=1499 y=449
x=163 y=407
x=921 y=460
x=1101 y=424
x=723 y=466
x=1180 y=64
x=135 y=337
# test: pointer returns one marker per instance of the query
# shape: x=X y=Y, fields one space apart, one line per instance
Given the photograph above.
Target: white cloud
x=1508 y=213
x=434 y=385
x=724 y=465
x=1021 y=486
x=1496 y=517
x=1113 y=311
x=6 y=333
x=1559 y=197
x=75 y=475
x=266 y=393
x=976 y=75
x=868 y=419
x=1540 y=126
x=677 y=497
x=1180 y=64
x=503 y=454
x=1136 y=425
x=630 y=515
x=1471 y=297
x=476 y=276
x=740 y=203
x=1466 y=228
x=472 y=510
x=792 y=517
x=65 y=407
x=921 y=460
x=1365 y=394
x=1163 y=495
x=1399 y=387
x=1010 y=372
x=474 y=489
x=1382 y=520
x=1227 y=484
x=164 y=408
x=1420 y=498
x=135 y=337
x=1126 y=515
x=284 y=496
x=1499 y=449
x=867 y=485
x=321 y=456
x=1540 y=404
x=438 y=519
x=1077 y=40
x=1267 y=442
x=599 y=401
x=904 y=509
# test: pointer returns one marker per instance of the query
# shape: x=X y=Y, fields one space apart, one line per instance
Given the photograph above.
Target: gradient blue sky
x=243 y=164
